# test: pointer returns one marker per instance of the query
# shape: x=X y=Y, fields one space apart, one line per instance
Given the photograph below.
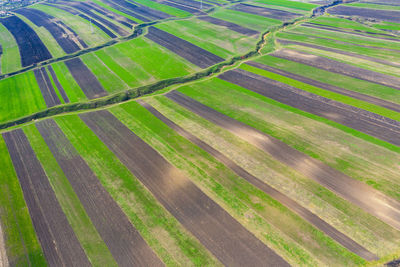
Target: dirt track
x=86 y=80
x=283 y=199
x=46 y=87
x=188 y=51
x=364 y=121
x=57 y=239
x=122 y=239
x=338 y=51
x=329 y=87
x=362 y=195
x=338 y=67
x=3 y=252
x=221 y=234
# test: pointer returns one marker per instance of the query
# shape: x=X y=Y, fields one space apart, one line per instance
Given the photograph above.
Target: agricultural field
x=200 y=133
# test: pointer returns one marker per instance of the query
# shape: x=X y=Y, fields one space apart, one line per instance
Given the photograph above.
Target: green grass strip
x=23 y=248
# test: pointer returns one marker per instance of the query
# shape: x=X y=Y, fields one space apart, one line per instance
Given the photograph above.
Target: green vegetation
x=91 y=242
x=10 y=58
x=164 y=8
x=20 y=96
x=21 y=242
x=216 y=39
x=290 y=4
x=161 y=231
x=343 y=23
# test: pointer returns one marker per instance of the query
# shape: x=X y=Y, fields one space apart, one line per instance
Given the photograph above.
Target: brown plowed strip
x=338 y=51
x=123 y=240
x=46 y=88
x=221 y=234
x=57 y=239
x=361 y=120
x=329 y=87
x=86 y=80
x=338 y=67
x=383 y=15
x=229 y=25
x=367 y=198
x=58 y=84
x=291 y=204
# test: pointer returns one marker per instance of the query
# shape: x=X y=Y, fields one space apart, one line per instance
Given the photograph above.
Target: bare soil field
x=86 y=80
x=68 y=40
x=360 y=194
x=361 y=120
x=123 y=240
x=338 y=51
x=188 y=51
x=58 y=240
x=384 y=15
x=265 y=12
x=282 y=198
x=338 y=67
x=48 y=92
x=200 y=215
x=141 y=12
x=192 y=10
x=359 y=33
x=31 y=48
x=86 y=9
x=329 y=87
x=58 y=84
x=229 y=25
x=192 y=3
x=101 y=26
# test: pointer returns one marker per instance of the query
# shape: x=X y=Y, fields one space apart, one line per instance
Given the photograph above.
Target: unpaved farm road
x=356 y=192
x=3 y=254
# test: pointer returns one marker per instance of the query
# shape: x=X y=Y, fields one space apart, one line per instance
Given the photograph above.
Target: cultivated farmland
x=200 y=133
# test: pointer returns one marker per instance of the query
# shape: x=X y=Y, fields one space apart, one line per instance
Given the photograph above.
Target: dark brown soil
x=57 y=29
x=122 y=239
x=56 y=237
x=265 y=12
x=384 y=15
x=46 y=87
x=329 y=87
x=31 y=48
x=89 y=84
x=229 y=25
x=221 y=234
x=188 y=51
x=58 y=84
x=283 y=199
x=356 y=192
x=338 y=67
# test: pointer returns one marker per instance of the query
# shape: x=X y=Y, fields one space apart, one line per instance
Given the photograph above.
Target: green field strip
x=367 y=51
x=100 y=3
x=46 y=37
x=10 y=59
x=174 y=245
x=152 y=61
x=218 y=182
x=350 y=60
x=251 y=21
x=374 y=6
x=357 y=224
x=348 y=37
x=289 y=4
x=343 y=23
x=22 y=245
x=386 y=25
x=108 y=79
x=164 y=8
x=79 y=25
x=339 y=80
x=72 y=89
x=325 y=93
x=216 y=39
x=55 y=86
x=91 y=242
x=381 y=176
x=20 y=96
x=278 y=7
